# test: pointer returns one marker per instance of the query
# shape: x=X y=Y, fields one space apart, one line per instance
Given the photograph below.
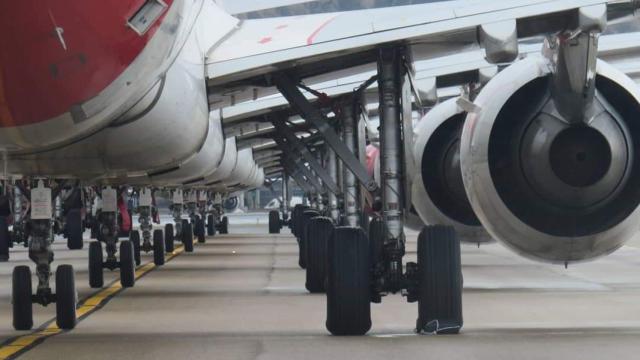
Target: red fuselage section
x=57 y=54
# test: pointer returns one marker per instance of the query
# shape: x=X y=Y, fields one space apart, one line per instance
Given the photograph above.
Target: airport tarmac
x=242 y=296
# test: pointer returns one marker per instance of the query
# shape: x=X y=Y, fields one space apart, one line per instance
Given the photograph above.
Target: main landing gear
x=40 y=239
x=276 y=223
x=361 y=268
x=220 y=222
x=223 y=225
x=145 y=208
x=108 y=234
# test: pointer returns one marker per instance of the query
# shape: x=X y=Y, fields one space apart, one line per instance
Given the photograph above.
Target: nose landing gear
x=40 y=252
x=157 y=244
x=183 y=229
x=108 y=234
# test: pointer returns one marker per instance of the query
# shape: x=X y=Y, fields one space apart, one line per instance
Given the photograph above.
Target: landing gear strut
x=40 y=239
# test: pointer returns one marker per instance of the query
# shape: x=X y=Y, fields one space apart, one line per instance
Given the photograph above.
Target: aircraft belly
x=168 y=133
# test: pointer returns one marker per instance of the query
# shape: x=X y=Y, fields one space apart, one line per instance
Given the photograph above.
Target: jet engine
x=554 y=182
x=438 y=193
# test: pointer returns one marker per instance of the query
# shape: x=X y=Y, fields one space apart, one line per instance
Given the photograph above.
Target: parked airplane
x=128 y=95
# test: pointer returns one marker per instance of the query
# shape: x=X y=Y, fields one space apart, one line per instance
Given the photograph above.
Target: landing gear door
x=109 y=200
x=177 y=197
x=145 y=198
x=41 y=207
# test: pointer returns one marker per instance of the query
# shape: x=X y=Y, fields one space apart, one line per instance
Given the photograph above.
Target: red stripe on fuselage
x=56 y=54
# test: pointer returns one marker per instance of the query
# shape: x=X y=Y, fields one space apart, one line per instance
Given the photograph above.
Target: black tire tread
x=134 y=236
x=21 y=298
x=158 y=247
x=187 y=237
x=200 y=230
x=127 y=264
x=66 y=297
x=439 y=281
x=348 y=282
x=96 y=275
x=74 y=229
x=5 y=239
x=304 y=218
x=319 y=230
x=224 y=225
x=211 y=225
x=168 y=238
x=274 y=222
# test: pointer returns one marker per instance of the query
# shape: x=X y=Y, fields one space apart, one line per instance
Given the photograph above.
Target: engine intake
x=438 y=192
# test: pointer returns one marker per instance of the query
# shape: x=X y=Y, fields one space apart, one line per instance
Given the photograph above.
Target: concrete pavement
x=242 y=296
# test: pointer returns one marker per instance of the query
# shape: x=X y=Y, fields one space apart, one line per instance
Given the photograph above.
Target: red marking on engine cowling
x=58 y=54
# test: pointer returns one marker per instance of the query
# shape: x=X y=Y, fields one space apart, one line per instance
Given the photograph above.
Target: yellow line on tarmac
x=21 y=344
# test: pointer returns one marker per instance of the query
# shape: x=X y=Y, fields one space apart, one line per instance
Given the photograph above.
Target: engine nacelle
x=437 y=192
x=552 y=189
x=243 y=168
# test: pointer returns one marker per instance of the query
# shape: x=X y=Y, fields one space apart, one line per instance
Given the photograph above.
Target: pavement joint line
x=18 y=345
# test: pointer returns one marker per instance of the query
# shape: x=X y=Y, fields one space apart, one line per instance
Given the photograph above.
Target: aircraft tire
x=274 y=222
x=187 y=237
x=74 y=229
x=96 y=276
x=211 y=225
x=95 y=229
x=348 y=282
x=127 y=264
x=134 y=236
x=200 y=230
x=439 y=281
x=302 y=241
x=319 y=230
x=21 y=298
x=184 y=223
x=295 y=219
x=158 y=247
x=224 y=225
x=377 y=232
x=5 y=239
x=66 y=298
x=168 y=238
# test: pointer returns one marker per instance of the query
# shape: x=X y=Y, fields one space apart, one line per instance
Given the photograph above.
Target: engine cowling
x=551 y=189
x=438 y=193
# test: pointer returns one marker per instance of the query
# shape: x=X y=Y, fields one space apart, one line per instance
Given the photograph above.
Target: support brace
x=306 y=187
x=301 y=104
x=296 y=144
x=311 y=179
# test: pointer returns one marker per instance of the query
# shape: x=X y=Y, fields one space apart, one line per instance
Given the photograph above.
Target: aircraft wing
x=319 y=43
x=620 y=50
x=243 y=6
